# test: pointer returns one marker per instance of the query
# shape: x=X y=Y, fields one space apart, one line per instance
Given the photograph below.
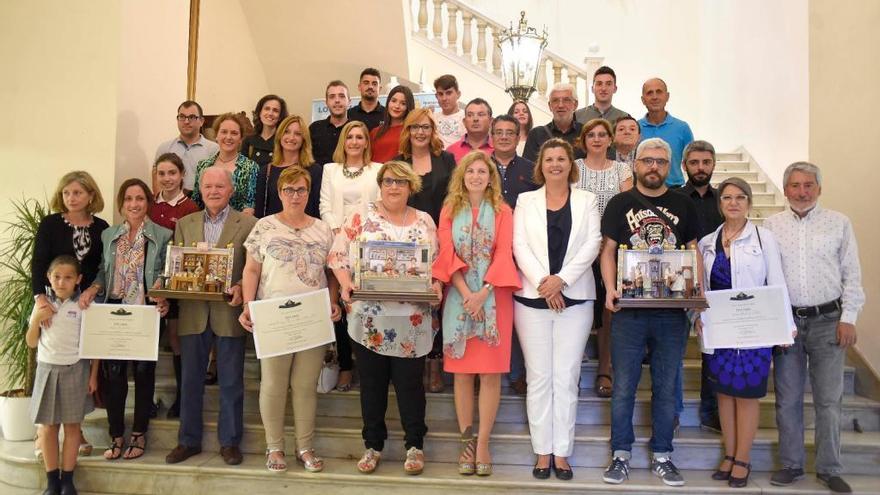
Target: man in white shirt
x=190 y=145
x=820 y=261
x=450 y=118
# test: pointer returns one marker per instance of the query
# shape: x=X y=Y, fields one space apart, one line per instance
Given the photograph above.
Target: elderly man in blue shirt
x=659 y=123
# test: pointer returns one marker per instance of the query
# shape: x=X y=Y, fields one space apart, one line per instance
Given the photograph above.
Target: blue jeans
x=664 y=332
x=195 y=351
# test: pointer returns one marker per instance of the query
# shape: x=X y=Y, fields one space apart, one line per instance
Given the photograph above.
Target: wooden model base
x=662 y=303
x=189 y=295
x=374 y=295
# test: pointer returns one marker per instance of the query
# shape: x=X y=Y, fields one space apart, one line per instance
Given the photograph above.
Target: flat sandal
x=275 y=466
x=313 y=464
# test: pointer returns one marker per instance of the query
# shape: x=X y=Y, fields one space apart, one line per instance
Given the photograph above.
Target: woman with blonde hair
x=348 y=185
x=292 y=146
x=476 y=258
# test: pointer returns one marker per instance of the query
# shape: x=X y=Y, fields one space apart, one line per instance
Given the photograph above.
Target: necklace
x=726 y=241
x=352 y=175
x=398 y=232
x=233 y=160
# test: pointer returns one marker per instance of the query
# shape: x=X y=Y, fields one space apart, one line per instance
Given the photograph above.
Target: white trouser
x=553 y=346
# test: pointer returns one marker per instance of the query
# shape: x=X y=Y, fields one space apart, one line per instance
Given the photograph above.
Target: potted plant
x=16 y=304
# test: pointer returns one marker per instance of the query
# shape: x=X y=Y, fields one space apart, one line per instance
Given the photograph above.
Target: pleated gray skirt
x=61 y=393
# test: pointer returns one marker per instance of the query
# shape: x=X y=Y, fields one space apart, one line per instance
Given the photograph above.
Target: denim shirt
x=157 y=239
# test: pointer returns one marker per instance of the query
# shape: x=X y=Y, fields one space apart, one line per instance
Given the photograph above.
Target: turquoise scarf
x=473 y=244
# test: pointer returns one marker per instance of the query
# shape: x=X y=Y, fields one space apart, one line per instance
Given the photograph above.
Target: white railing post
x=438 y=20
x=423 y=17
x=542 y=77
x=557 y=72
x=452 y=28
x=467 y=44
x=481 y=43
x=496 y=53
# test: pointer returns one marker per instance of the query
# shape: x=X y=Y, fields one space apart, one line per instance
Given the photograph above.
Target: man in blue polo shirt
x=659 y=123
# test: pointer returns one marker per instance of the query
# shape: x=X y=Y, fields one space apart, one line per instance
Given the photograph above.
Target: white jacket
x=750 y=264
x=530 y=243
x=331 y=204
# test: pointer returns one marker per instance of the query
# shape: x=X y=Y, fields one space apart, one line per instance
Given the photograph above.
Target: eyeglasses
x=660 y=162
x=734 y=198
x=292 y=193
x=504 y=133
x=191 y=118
x=389 y=181
x=420 y=127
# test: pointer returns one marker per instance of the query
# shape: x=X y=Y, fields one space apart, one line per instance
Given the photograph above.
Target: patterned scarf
x=473 y=244
x=128 y=282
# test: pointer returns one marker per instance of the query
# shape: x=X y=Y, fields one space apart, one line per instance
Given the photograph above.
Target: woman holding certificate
x=555 y=240
x=476 y=257
x=739 y=255
x=287 y=255
x=134 y=256
x=390 y=338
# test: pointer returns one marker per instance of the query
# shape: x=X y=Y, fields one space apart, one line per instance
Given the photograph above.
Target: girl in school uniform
x=64 y=383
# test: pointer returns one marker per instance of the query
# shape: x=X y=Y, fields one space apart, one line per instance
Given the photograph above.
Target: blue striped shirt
x=214 y=226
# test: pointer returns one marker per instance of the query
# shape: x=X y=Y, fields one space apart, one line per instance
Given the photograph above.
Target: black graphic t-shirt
x=627 y=221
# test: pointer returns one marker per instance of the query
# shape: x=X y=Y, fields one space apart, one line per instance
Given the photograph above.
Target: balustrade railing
x=454 y=25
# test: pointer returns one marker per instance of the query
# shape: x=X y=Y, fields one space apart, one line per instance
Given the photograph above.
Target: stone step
x=591 y=410
x=341 y=438
x=207 y=474
x=729 y=157
x=731 y=166
x=763 y=198
x=747 y=175
x=691 y=378
x=765 y=211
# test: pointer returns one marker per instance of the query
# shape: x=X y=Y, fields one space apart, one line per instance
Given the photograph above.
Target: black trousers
x=376 y=372
x=343 y=345
x=114 y=380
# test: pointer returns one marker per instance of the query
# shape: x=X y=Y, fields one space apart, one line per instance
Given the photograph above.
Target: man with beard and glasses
x=325 y=132
x=699 y=163
x=369 y=110
x=649 y=213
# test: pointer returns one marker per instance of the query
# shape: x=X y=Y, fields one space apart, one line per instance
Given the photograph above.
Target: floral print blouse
x=244 y=180
x=389 y=328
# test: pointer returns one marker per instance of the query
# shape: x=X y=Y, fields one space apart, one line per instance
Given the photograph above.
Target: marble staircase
x=767 y=198
x=338 y=438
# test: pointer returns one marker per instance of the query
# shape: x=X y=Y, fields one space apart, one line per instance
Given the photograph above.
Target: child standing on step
x=64 y=383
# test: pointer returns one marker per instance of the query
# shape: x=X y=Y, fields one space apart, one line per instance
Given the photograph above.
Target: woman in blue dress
x=739 y=255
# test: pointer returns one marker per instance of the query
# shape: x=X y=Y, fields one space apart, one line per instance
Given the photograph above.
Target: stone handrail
x=453 y=25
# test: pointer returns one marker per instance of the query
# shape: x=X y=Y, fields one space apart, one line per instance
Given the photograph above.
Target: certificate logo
x=742 y=296
x=121 y=312
x=289 y=304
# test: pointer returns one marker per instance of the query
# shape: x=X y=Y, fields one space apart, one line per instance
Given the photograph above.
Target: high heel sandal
x=468 y=451
x=735 y=482
x=312 y=463
x=720 y=475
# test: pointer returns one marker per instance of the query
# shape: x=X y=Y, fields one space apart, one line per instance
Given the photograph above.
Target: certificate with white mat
x=744 y=318
x=285 y=325
x=119 y=331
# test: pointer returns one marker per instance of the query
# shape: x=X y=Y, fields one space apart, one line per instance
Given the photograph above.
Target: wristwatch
x=487 y=286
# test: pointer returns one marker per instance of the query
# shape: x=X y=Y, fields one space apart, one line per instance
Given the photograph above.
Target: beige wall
x=248 y=49
x=58 y=93
x=844 y=75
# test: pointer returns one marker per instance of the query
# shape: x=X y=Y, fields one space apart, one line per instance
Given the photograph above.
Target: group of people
x=524 y=224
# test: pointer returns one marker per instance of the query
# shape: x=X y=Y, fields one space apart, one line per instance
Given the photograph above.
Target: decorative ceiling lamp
x=521 y=58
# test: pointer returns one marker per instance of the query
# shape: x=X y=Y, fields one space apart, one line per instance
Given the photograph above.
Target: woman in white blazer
x=349 y=182
x=555 y=240
x=347 y=186
x=739 y=255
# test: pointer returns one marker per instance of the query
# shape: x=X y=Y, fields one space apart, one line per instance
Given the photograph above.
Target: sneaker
x=617 y=472
x=666 y=471
x=834 y=483
x=786 y=476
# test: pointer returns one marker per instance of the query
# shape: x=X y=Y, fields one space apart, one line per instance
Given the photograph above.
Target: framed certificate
x=392 y=271
x=742 y=318
x=285 y=325
x=119 y=331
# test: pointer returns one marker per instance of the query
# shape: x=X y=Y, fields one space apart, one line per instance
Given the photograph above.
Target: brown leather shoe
x=520 y=386
x=181 y=453
x=231 y=455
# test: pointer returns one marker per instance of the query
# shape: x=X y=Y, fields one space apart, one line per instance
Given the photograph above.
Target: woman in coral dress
x=476 y=259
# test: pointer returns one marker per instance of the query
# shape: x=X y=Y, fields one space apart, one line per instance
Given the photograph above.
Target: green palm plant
x=16 y=296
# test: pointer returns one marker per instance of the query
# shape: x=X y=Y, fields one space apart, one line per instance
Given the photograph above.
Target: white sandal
x=313 y=463
x=274 y=466
x=369 y=461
